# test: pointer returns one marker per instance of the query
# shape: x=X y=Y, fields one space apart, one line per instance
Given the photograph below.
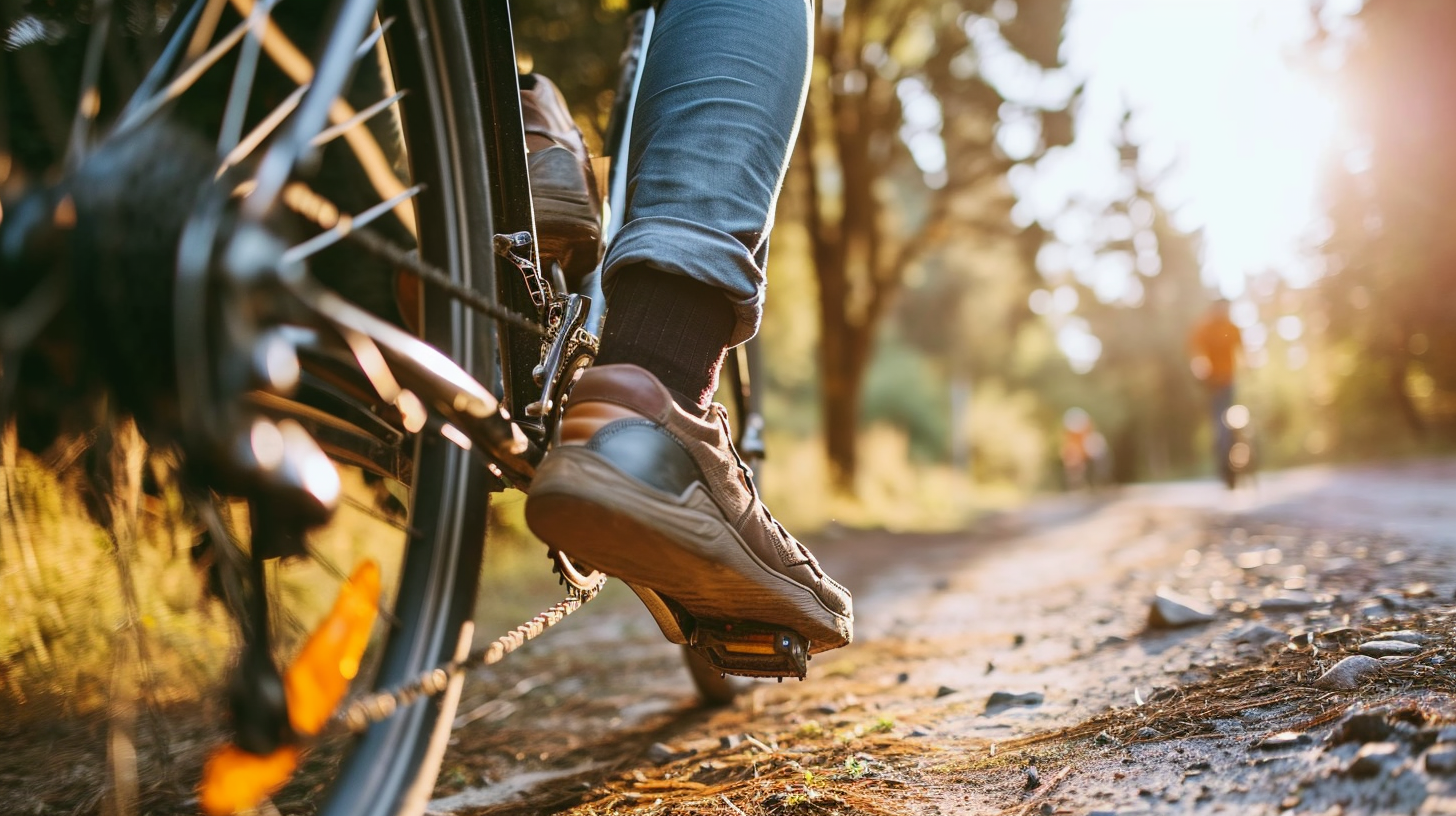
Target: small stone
x=1170 y=610
x=1101 y=813
x=1349 y=673
x=1001 y=700
x=1408 y=636
x=1373 y=759
x=919 y=732
x=730 y=741
x=827 y=708
x=1104 y=738
x=660 y=753
x=1290 y=802
x=1284 y=739
x=1018 y=640
x=1388 y=648
x=1375 y=611
x=1033 y=778
x=944 y=691
x=1288 y=602
x=1362 y=726
x=1258 y=634
x=1148 y=732
x=1441 y=759
x=902 y=678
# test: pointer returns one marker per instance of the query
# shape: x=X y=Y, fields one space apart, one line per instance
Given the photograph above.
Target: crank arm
x=433 y=377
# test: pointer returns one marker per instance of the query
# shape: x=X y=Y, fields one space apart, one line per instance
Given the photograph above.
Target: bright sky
x=1235 y=135
x=1211 y=87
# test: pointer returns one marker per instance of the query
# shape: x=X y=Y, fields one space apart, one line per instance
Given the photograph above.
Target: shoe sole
x=678 y=546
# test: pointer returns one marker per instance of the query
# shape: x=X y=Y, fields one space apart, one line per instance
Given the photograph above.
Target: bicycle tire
x=391 y=768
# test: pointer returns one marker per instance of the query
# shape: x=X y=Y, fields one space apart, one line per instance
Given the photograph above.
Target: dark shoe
x=563 y=187
x=643 y=491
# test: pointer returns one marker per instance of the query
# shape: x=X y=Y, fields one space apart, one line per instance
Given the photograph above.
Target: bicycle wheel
x=160 y=682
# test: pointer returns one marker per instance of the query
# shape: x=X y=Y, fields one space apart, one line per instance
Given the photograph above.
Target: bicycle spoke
x=337 y=572
x=377 y=167
x=309 y=204
x=377 y=515
x=211 y=11
x=357 y=119
x=157 y=74
x=243 y=75
x=345 y=225
x=261 y=131
x=276 y=117
x=182 y=81
x=89 y=102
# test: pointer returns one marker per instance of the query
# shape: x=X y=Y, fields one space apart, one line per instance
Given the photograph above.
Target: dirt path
x=1049 y=605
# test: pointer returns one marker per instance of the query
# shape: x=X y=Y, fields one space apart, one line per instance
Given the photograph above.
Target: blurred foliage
x=899 y=162
x=1389 y=297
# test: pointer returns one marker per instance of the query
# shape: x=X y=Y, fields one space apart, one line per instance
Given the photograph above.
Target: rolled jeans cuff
x=683 y=247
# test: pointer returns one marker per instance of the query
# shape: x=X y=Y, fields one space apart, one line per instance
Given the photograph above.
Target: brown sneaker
x=563 y=188
x=643 y=491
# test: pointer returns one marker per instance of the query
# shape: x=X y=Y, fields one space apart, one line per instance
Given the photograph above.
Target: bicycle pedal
x=751 y=649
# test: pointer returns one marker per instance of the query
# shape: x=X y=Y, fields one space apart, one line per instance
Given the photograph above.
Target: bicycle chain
x=309 y=204
x=380 y=705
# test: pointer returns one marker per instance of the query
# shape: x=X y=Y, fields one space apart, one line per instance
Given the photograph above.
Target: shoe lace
x=806 y=558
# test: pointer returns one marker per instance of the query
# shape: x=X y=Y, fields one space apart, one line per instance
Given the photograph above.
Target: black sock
x=671 y=325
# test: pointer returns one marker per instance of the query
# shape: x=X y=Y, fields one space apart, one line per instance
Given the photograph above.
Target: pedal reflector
x=751 y=649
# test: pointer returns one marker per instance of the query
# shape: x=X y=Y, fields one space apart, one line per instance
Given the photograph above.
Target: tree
x=898 y=149
x=1390 y=291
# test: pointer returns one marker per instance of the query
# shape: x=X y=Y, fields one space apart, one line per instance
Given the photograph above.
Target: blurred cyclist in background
x=1216 y=344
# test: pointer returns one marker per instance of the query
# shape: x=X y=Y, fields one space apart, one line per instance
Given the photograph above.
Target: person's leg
x=721 y=95
x=1220 y=401
x=644 y=483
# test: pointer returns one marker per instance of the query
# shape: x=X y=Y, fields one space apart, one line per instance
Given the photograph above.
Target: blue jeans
x=722 y=91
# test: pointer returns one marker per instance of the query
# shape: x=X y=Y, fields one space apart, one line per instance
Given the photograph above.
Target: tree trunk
x=842 y=369
x=852 y=288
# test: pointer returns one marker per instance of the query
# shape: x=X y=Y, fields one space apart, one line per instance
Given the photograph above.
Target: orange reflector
x=320 y=675
x=234 y=780
x=751 y=644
